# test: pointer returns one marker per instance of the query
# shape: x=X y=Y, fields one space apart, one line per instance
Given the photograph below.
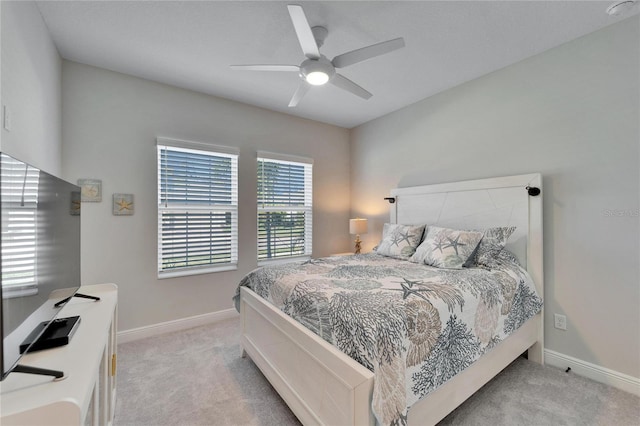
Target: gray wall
x=571 y=113
x=31 y=87
x=110 y=123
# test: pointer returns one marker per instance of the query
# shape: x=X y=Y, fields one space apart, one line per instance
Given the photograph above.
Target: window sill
x=283 y=260
x=198 y=271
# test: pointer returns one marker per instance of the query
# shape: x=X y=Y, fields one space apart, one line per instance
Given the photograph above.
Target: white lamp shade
x=358 y=226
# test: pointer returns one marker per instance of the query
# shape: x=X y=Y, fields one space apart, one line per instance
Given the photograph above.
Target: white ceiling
x=192 y=44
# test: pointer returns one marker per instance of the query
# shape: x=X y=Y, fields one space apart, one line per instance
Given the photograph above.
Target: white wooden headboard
x=479 y=204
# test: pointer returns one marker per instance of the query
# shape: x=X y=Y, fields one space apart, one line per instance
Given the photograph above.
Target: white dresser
x=86 y=395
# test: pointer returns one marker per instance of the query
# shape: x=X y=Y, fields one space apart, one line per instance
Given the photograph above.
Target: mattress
x=414 y=326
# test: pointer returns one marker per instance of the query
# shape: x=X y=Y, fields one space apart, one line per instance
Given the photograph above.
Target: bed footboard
x=319 y=383
x=323 y=386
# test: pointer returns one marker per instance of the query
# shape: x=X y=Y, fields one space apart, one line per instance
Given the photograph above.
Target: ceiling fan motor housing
x=320 y=65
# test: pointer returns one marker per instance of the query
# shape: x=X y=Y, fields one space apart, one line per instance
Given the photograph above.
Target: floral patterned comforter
x=412 y=325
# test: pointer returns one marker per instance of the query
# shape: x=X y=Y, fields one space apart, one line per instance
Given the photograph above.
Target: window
x=285 y=207
x=19 y=204
x=197 y=208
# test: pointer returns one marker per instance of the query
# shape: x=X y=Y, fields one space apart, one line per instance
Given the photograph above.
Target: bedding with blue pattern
x=413 y=325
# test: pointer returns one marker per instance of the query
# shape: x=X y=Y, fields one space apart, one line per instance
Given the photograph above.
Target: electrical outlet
x=560 y=321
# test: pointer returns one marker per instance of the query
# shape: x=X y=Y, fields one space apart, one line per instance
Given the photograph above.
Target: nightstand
x=348 y=253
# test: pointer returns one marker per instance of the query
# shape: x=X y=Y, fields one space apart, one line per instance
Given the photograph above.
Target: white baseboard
x=175 y=325
x=594 y=372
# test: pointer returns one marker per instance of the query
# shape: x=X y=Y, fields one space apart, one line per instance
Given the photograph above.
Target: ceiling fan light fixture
x=317 y=78
x=317 y=71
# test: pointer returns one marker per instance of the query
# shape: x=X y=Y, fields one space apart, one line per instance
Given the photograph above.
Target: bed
x=323 y=385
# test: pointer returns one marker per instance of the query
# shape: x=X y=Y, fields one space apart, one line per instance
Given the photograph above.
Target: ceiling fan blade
x=300 y=92
x=266 y=67
x=368 y=52
x=348 y=85
x=303 y=31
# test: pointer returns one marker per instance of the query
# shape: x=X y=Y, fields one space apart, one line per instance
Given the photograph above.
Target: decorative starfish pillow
x=446 y=248
x=400 y=241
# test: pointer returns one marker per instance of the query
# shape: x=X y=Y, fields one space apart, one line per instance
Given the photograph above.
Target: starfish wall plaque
x=122 y=204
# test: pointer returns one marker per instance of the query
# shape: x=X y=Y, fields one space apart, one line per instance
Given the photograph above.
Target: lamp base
x=358 y=242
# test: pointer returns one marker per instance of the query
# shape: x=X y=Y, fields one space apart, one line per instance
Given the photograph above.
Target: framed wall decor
x=91 y=190
x=122 y=204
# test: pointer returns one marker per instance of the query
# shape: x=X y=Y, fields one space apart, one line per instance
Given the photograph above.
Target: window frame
x=163 y=207
x=307 y=208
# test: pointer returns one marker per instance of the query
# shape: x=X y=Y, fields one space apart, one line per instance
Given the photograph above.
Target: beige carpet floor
x=197 y=377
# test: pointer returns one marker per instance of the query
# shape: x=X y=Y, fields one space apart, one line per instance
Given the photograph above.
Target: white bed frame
x=324 y=386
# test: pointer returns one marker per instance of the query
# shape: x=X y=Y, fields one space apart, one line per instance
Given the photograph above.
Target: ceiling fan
x=317 y=69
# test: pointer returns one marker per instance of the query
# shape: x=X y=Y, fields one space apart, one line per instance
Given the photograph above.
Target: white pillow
x=446 y=248
x=400 y=241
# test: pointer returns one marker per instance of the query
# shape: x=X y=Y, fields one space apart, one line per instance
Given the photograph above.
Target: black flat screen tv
x=39 y=253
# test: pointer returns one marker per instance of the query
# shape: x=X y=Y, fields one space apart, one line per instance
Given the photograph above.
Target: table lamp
x=357 y=226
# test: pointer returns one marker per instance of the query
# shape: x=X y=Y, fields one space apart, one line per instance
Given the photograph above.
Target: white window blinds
x=197 y=209
x=285 y=207
x=19 y=204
